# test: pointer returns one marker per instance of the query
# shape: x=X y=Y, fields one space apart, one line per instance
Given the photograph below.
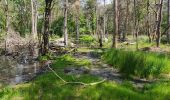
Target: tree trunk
x=65 y=23
x=77 y=22
x=159 y=19
x=168 y=33
x=7 y=23
x=34 y=18
x=115 y=24
x=126 y=20
x=100 y=32
x=46 y=26
x=136 y=23
x=104 y=20
x=148 y=26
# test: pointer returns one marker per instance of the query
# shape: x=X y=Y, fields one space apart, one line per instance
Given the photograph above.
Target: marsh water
x=18 y=68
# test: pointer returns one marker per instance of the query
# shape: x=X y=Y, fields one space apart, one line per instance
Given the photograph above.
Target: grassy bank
x=140 y=64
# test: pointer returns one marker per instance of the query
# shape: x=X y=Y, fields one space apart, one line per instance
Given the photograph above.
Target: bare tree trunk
x=159 y=20
x=116 y=25
x=77 y=22
x=46 y=26
x=126 y=20
x=148 y=25
x=96 y=18
x=100 y=33
x=168 y=33
x=7 y=23
x=34 y=18
x=65 y=23
x=104 y=19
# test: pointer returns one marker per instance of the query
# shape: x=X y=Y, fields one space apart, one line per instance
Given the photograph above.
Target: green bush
x=141 y=64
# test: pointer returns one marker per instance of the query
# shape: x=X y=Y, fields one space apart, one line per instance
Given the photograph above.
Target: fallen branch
x=82 y=83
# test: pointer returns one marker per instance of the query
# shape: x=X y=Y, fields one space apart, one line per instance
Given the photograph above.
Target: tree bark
x=148 y=25
x=65 y=23
x=159 y=20
x=168 y=33
x=34 y=18
x=46 y=26
x=7 y=22
x=77 y=22
x=136 y=23
x=126 y=20
x=116 y=25
x=104 y=19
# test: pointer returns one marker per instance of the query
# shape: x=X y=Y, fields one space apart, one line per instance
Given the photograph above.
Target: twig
x=82 y=83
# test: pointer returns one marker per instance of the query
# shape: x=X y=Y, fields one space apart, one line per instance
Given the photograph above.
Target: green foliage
x=87 y=39
x=22 y=22
x=141 y=64
x=45 y=57
x=57 y=26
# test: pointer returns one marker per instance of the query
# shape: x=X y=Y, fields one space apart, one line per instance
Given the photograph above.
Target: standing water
x=18 y=69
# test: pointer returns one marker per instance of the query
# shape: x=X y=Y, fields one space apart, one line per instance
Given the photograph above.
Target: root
x=81 y=83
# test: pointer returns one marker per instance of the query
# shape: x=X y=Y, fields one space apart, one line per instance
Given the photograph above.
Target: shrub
x=141 y=64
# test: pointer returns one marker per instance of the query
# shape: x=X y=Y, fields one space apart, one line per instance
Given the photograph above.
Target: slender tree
x=7 y=22
x=48 y=4
x=77 y=4
x=159 y=19
x=168 y=33
x=34 y=18
x=65 y=23
x=116 y=25
x=147 y=22
x=104 y=19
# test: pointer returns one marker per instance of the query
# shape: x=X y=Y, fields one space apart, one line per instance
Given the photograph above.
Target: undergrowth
x=136 y=63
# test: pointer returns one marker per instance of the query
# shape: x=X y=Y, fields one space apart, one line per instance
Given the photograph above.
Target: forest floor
x=85 y=66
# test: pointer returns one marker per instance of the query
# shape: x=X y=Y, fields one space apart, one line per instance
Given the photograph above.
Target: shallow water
x=19 y=69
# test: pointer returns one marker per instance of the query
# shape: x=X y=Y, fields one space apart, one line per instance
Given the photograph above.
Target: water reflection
x=17 y=70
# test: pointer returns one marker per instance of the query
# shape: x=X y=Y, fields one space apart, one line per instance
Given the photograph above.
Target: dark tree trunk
x=46 y=26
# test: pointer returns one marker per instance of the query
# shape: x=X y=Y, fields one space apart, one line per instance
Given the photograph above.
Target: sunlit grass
x=141 y=64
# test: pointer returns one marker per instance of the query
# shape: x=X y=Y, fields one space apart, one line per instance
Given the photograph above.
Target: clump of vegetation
x=87 y=40
x=135 y=63
x=69 y=60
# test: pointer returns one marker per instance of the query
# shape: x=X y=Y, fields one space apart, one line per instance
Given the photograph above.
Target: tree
x=104 y=19
x=65 y=23
x=168 y=33
x=77 y=5
x=7 y=22
x=48 y=4
x=116 y=25
x=34 y=18
x=159 y=19
x=147 y=22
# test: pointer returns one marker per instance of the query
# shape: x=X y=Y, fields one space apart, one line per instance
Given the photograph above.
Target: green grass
x=140 y=64
x=69 y=60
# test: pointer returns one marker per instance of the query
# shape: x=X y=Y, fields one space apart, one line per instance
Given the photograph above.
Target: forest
x=84 y=49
